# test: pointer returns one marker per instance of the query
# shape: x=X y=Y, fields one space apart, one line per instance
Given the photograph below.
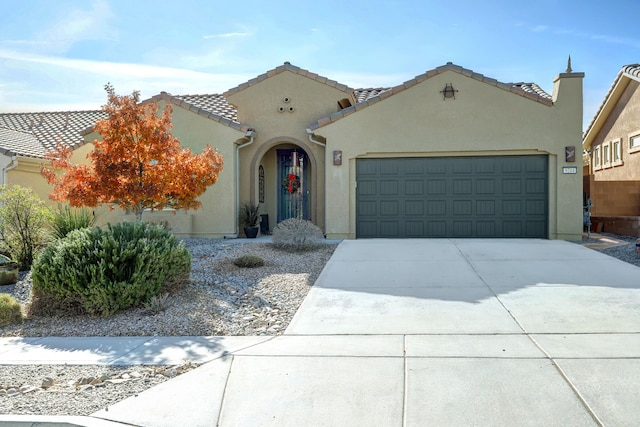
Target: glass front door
x=293 y=172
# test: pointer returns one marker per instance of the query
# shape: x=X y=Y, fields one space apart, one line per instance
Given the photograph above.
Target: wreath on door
x=291 y=182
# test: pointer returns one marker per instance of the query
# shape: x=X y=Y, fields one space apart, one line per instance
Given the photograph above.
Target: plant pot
x=251 y=232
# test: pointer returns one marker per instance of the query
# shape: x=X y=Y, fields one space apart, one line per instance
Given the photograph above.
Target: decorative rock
x=47 y=382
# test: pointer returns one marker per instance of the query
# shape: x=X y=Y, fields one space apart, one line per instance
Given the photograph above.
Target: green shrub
x=249 y=261
x=296 y=234
x=24 y=223
x=108 y=270
x=9 y=310
x=66 y=220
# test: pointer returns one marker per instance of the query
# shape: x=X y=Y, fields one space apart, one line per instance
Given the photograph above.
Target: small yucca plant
x=9 y=310
x=66 y=220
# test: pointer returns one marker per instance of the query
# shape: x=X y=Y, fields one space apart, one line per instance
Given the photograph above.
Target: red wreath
x=292 y=183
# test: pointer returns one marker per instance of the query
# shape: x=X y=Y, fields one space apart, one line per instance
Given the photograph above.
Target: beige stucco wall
x=482 y=120
x=259 y=106
x=216 y=217
x=27 y=174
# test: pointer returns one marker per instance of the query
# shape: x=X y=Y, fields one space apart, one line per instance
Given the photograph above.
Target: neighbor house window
x=606 y=155
x=597 y=158
x=634 y=142
x=616 y=152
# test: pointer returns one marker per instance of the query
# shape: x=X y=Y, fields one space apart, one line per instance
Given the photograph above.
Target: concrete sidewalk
x=409 y=333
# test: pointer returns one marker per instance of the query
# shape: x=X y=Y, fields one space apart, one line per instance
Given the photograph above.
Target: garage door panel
x=367 y=188
x=462 y=229
x=414 y=187
x=486 y=228
x=389 y=187
x=486 y=207
x=414 y=207
x=462 y=207
x=389 y=208
x=493 y=196
x=436 y=186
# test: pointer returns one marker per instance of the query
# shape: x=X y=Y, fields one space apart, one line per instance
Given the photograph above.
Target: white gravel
x=220 y=299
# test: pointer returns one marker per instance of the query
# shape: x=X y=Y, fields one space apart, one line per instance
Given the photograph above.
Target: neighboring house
x=450 y=153
x=612 y=144
x=25 y=138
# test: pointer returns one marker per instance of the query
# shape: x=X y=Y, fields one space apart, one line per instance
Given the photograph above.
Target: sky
x=58 y=55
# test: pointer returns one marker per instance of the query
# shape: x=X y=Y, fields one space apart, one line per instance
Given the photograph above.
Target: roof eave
x=287 y=66
x=620 y=83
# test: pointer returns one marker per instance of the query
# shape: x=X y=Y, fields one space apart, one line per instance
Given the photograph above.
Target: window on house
x=616 y=152
x=597 y=158
x=606 y=155
x=634 y=142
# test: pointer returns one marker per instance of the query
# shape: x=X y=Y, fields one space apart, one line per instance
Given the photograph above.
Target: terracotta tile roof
x=214 y=107
x=14 y=142
x=46 y=128
x=362 y=95
x=292 y=68
x=631 y=71
x=528 y=90
x=532 y=88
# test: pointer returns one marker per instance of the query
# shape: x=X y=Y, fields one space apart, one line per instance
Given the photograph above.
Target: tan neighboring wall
x=482 y=120
x=615 y=185
x=27 y=174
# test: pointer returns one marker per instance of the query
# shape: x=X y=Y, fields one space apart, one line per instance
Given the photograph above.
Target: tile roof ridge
x=534 y=95
x=287 y=66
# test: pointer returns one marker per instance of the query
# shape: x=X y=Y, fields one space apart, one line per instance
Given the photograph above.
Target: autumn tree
x=138 y=164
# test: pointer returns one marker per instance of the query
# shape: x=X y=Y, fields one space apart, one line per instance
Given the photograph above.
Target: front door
x=293 y=173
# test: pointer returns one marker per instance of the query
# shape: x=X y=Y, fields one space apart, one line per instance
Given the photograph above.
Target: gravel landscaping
x=221 y=299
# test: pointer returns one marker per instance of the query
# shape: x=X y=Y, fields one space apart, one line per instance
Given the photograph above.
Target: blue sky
x=58 y=55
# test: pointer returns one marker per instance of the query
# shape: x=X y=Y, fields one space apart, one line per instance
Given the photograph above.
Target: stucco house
x=449 y=153
x=612 y=146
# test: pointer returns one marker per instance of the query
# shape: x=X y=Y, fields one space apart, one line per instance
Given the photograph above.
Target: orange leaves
x=138 y=164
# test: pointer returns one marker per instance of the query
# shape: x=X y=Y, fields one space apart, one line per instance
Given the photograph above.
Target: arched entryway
x=288 y=181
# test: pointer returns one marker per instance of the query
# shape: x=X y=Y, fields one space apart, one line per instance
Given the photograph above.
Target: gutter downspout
x=12 y=165
x=249 y=136
x=323 y=145
x=315 y=141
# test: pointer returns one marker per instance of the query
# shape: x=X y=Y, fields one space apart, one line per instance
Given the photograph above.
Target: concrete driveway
x=463 y=332
x=432 y=332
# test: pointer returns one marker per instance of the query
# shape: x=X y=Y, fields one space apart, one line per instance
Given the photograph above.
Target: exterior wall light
x=448 y=91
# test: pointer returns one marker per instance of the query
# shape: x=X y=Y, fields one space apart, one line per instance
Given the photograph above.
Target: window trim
x=616 y=143
x=597 y=157
x=606 y=155
x=634 y=136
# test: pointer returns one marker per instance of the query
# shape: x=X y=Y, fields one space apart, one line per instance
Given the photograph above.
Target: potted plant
x=250 y=218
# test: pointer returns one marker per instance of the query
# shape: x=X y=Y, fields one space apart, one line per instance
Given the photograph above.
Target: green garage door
x=504 y=196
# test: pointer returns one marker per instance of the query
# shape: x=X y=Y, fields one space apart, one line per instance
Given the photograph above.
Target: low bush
x=65 y=220
x=24 y=224
x=249 y=261
x=296 y=235
x=10 y=312
x=108 y=270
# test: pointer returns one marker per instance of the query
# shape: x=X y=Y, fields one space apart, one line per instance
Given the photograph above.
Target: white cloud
x=54 y=82
x=228 y=35
x=77 y=25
